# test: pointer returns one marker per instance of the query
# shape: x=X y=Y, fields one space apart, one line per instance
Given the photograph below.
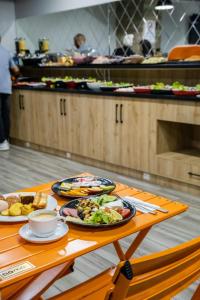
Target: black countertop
x=111 y=94
x=167 y=65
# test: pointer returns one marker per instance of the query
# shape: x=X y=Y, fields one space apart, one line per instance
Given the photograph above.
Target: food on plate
x=84 y=186
x=198 y=87
x=101 y=60
x=80 y=192
x=193 y=58
x=180 y=89
x=116 y=84
x=94 y=190
x=40 y=200
x=65 y=186
x=142 y=89
x=22 y=204
x=3 y=205
x=27 y=209
x=72 y=212
x=2 y=197
x=178 y=86
x=154 y=60
x=103 y=199
x=104 y=209
x=133 y=59
x=12 y=199
x=104 y=216
x=74 y=220
x=15 y=209
x=160 y=86
x=26 y=199
x=5 y=212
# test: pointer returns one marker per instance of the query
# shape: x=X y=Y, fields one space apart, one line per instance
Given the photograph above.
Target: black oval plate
x=73 y=204
x=105 y=181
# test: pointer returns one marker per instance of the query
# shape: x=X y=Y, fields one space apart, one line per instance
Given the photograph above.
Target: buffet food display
x=68 y=82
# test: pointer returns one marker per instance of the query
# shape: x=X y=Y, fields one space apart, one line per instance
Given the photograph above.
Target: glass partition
x=106 y=25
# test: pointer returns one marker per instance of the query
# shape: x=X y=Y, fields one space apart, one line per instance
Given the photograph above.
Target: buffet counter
x=110 y=94
x=152 y=137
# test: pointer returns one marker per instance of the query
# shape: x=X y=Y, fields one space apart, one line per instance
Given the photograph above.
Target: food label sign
x=15 y=270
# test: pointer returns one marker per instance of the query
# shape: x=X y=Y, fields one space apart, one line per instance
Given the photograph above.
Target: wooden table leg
x=135 y=244
x=119 y=250
x=196 y=295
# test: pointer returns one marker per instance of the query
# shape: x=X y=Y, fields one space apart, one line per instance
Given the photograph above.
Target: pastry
x=2 y=197
x=26 y=199
x=27 y=209
x=12 y=200
x=3 y=205
x=40 y=200
x=15 y=209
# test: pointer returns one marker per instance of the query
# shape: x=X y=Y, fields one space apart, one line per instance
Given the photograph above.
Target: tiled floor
x=20 y=168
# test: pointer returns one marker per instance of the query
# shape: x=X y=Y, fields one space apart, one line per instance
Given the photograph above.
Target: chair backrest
x=158 y=276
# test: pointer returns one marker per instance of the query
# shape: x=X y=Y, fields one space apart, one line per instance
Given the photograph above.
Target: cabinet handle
x=116 y=113
x=20 y=105
x=23 y=107
x=193 y=174
x=121 y=115
x=64 y=106
x=61 y=107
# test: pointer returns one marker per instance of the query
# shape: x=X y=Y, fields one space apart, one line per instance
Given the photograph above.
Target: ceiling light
x=164 y=5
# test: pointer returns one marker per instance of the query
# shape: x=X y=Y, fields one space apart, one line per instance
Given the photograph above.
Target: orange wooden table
x=14 y=250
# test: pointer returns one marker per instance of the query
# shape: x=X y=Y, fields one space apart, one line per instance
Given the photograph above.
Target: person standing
x=126 y=49
x=6 y=65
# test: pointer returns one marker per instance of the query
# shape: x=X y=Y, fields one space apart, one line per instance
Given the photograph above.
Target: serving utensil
x=143 y=206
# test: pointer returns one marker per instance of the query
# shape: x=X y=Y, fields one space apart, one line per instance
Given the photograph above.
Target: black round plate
x=104 y=181
x=73 y=204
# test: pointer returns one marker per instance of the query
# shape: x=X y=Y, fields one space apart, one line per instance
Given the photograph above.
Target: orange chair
x=156 y=276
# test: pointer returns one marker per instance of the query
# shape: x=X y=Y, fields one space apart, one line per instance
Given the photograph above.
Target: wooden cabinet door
x=112 y=132
x=63 y=104
x=134 y=132
x=86 y=125
x=50 y=118
x=126 y=138
x=21 y=115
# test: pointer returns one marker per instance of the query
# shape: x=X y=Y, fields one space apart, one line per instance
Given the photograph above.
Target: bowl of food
x=103 y=211
x=83 y=186
x=142 y=89
x=110 y=86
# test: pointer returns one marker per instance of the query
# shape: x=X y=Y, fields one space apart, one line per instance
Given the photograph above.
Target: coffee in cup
x=44 y=222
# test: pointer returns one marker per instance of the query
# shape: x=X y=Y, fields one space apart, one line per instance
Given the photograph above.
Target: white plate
x=51 y=205
x=27 y=234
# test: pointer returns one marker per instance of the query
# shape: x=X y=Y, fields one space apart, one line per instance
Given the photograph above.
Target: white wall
x=25 y=8
x=173 y=34
x=7 y=24
x=60 y=29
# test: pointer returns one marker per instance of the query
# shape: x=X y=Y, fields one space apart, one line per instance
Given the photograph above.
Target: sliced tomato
x=125 y=212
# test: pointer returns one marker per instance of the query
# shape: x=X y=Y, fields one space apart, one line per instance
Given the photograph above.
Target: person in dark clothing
x=146 y=48
x=125 y=50
x=6 y=64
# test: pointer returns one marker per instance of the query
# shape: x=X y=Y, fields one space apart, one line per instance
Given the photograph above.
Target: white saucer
x=27 y=234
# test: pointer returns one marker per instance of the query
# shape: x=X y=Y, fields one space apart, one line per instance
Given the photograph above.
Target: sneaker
x=4 y=146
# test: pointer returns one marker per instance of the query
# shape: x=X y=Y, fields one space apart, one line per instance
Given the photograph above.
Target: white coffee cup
x=44 y=222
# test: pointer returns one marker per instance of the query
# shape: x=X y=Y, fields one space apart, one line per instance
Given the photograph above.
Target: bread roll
x=12 y=200
x=40 y=200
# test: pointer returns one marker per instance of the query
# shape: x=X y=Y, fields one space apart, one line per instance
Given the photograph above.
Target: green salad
x=116 y=84
x=104 y=216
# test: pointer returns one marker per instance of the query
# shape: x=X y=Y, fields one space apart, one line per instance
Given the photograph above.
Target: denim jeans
x=4 y=117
